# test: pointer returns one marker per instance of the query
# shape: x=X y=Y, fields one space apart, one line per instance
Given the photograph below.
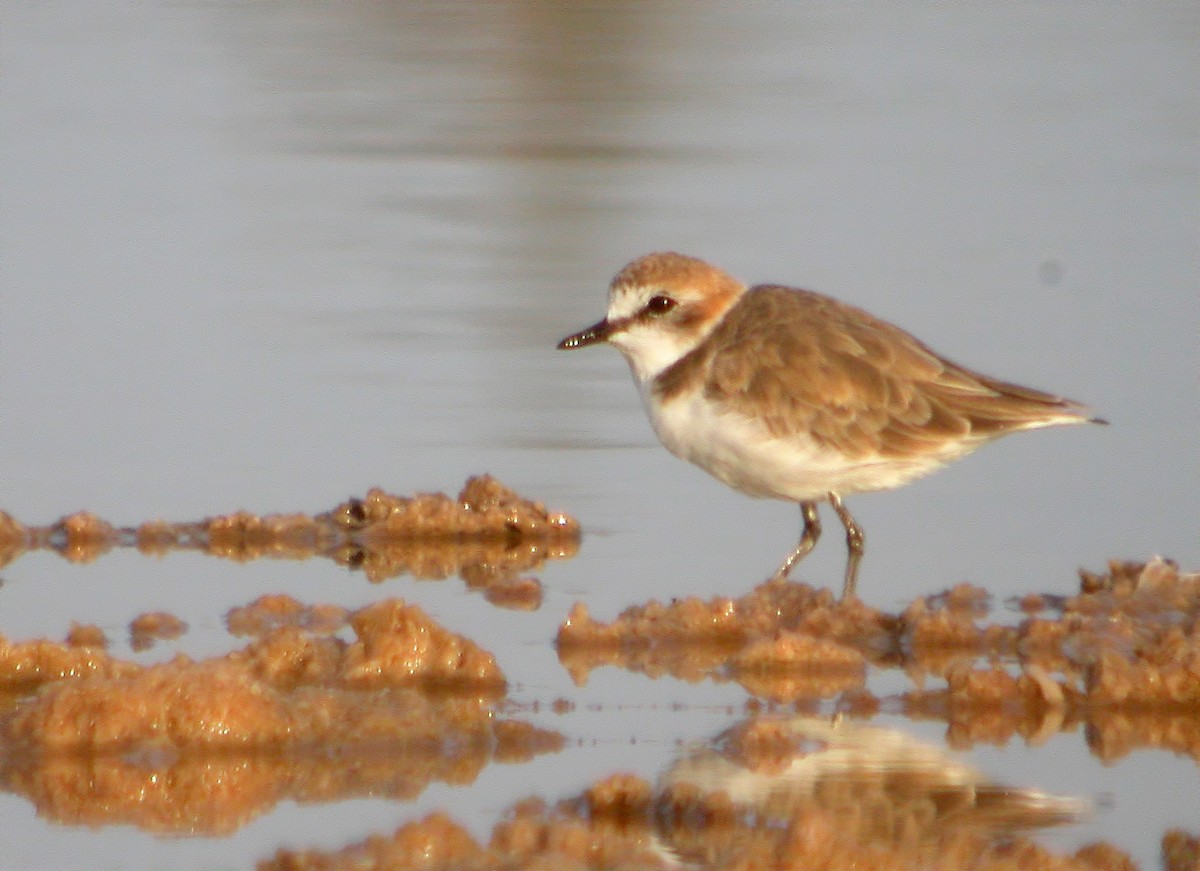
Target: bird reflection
x=873 y=787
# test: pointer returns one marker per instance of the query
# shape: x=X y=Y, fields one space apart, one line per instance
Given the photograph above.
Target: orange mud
x=325 y=703
x=275 y=611
x=296 y=714
x=624 y=822
x=210 y=793
x=1180 y=851
x=13 y=539
x=1122 y=656
x=145 y=629
x=397 y=645
x=488 y=534
x=782 y=632
x=86 y=635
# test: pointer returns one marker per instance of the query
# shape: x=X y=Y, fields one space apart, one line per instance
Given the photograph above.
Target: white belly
x=740 y=452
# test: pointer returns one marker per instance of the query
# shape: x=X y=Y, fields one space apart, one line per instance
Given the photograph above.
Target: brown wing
x=808 y=364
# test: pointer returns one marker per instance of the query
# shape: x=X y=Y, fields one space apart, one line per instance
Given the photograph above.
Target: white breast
x=740 y=452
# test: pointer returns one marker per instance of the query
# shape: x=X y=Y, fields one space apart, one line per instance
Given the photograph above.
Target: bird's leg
x=808 y=538
x=855 y=542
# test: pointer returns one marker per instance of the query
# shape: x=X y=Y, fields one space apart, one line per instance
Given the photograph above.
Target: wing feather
x=808 y=365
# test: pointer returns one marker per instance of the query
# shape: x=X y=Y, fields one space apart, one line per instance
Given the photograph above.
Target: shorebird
x=784 y=393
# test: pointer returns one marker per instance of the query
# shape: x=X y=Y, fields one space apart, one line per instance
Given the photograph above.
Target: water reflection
x=299 y=713
x=1115 y=658
x=213 y=794
x=879 y=788
x=488 y=535
x=773 y=792
x=326 y=703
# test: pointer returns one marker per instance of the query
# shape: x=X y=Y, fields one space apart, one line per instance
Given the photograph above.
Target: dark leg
x=808 y=538
x=855 y=542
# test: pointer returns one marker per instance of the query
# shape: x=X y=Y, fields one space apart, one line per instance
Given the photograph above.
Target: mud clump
x=297 y=713
x=1122 y=656
x=244 y=699
x=488 y=534
x=1129 y=638
x=146 y=629
x=774 y=636
x=26 y=665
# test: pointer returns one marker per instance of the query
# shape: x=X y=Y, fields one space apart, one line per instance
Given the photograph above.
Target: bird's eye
x=660 y=305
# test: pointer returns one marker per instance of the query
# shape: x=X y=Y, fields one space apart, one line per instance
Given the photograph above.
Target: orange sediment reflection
x=323 y=702
x=298 y=713
x=152 y=626
x=208 y=793
x=854 y=813
x=488 y=534
x=1122 y=656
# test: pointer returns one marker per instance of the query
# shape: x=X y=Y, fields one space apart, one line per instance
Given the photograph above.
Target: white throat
x=649 y=351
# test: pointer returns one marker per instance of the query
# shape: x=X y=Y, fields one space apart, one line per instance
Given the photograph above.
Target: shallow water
x=267 y=256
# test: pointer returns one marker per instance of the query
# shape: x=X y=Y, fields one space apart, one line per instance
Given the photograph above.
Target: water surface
x=269 y=255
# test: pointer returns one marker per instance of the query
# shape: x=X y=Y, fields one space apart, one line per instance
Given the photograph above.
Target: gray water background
x=267 y=255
